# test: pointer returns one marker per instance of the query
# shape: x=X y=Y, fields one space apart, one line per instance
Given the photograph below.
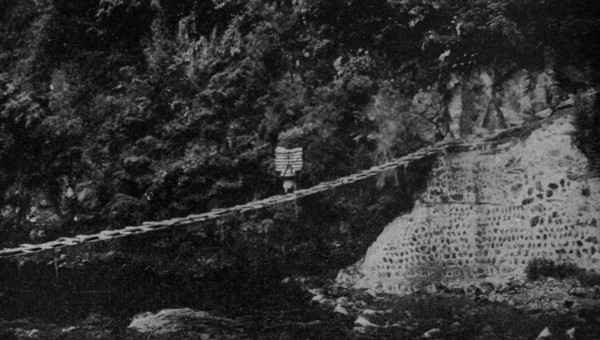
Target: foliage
x=540 y=268
x=589 y=278
x=587 y=123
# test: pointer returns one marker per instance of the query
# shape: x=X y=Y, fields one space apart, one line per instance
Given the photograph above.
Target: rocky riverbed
x=311 y=309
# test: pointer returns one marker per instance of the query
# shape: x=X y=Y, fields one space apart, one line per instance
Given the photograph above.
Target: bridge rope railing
x=493 y=141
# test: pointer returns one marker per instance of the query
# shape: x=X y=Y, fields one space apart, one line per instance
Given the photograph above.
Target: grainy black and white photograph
x=299 y=169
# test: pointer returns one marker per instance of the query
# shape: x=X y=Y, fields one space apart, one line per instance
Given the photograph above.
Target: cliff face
x=485 y=214
x=481 y=100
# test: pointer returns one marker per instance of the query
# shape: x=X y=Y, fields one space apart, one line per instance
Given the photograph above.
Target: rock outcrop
x=485 y=214
x=483 y=100
x=168 y=321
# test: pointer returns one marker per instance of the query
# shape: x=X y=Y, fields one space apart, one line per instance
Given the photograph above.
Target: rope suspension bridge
x=494 y=141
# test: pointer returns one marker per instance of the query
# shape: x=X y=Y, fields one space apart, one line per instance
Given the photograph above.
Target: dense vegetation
x=540 y=268
x=118 y=111
x=587 y=124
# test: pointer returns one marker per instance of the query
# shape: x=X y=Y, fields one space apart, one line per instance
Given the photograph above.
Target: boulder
x=544 y=113
x=544 y=334
x=431 y=333
x=427 y=104
x=362 y=321
x=174 y=320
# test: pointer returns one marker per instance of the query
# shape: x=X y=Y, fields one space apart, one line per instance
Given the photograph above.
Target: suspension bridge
x=493 y=141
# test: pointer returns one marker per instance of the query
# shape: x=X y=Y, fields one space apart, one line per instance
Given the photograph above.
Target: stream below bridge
x=100 y=301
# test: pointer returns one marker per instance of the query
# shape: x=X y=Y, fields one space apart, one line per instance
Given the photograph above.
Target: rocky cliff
x=485 y=214
x=481 y=100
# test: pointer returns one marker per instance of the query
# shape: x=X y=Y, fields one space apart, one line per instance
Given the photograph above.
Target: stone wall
x=485 y=214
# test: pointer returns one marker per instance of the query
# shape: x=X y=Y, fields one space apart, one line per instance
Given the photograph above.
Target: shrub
x=539 y=268
x=589 y=279
x=587 y=128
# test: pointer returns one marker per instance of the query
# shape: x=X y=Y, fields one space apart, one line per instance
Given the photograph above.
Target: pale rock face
x=477 y=96
x=455 y=111
x=494 y=119
x=544 y=113
x=487 y=83
x=426 y=107
x=511 y=117
x=486 y=213
x=516 y=93
x=543 y=84
x=473 y=104
x=528 y=93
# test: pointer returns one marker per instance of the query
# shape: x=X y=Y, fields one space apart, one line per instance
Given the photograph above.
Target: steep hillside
x=115 y=112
